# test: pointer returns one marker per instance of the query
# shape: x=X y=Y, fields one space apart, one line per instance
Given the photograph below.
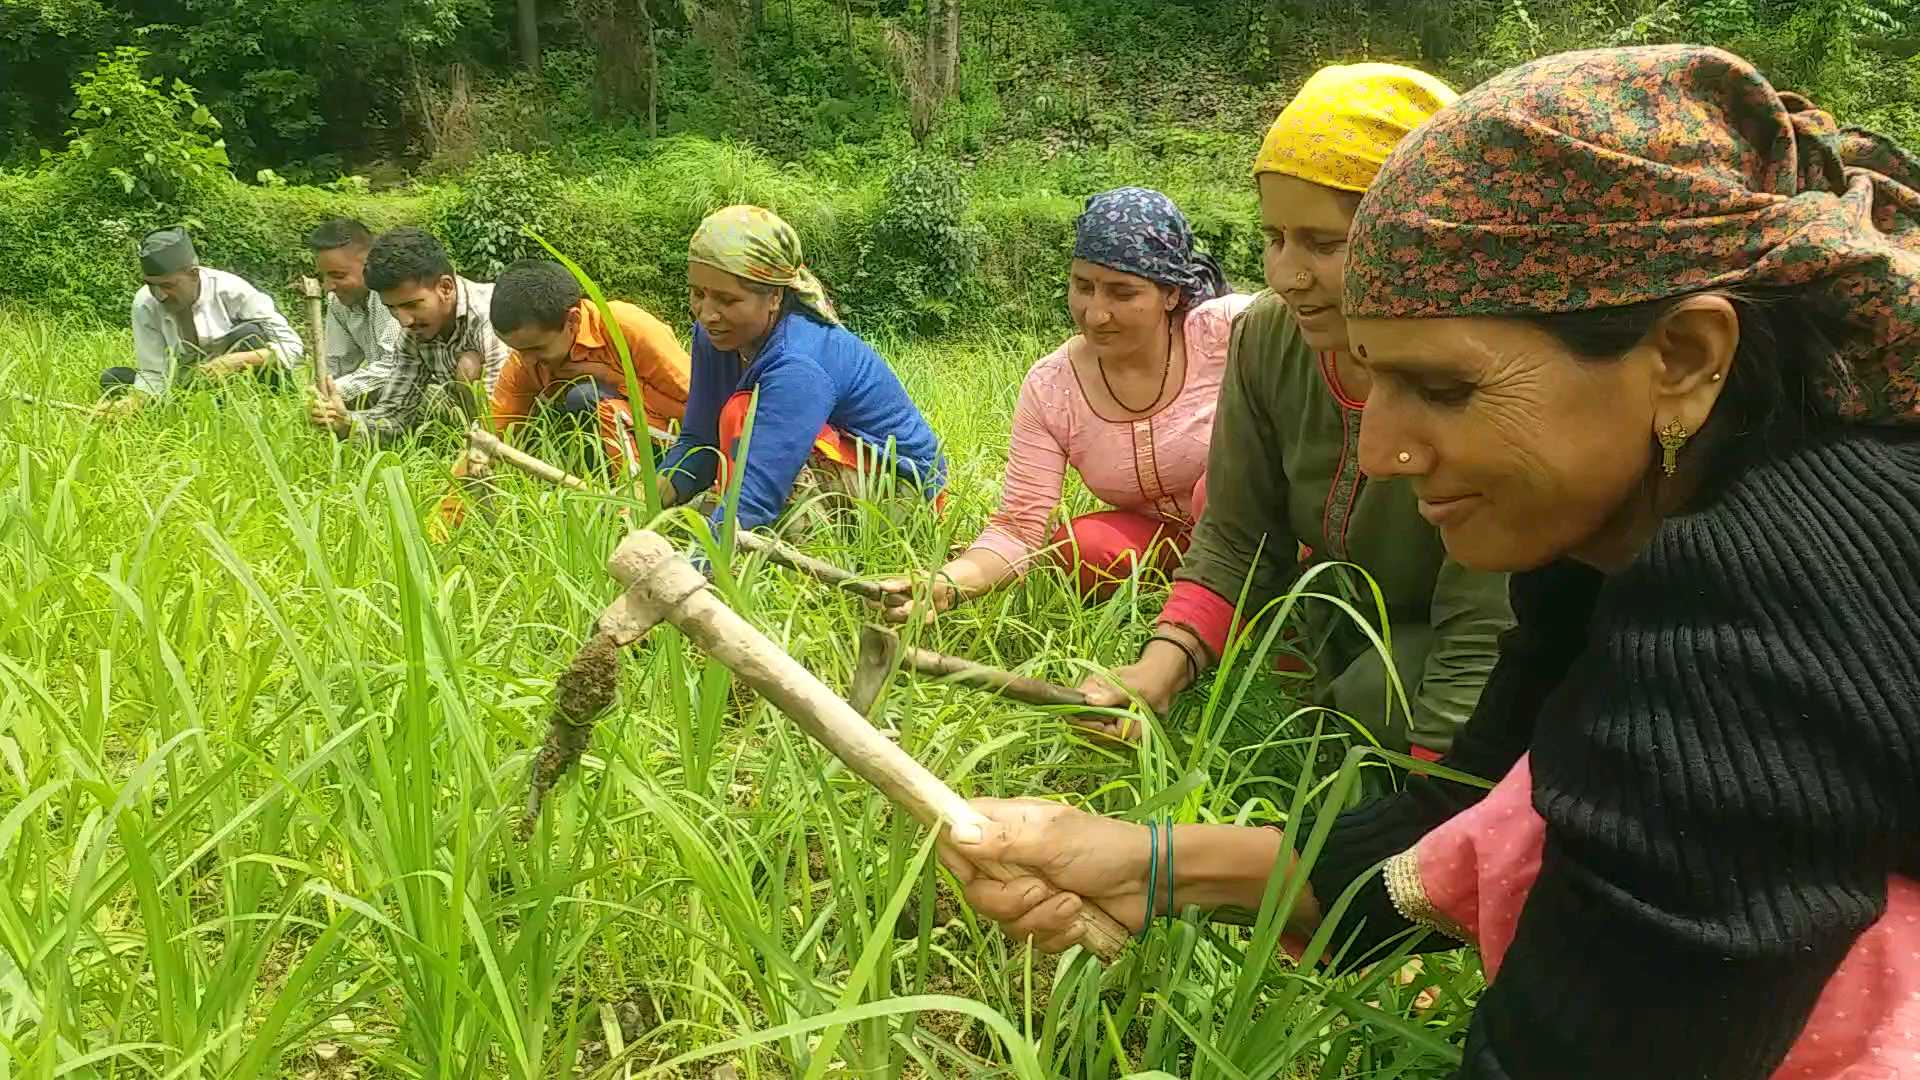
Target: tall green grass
x=261 y=747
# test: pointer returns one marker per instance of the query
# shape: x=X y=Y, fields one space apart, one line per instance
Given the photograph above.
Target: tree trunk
x=528 y=26
x=1279 y=36
x=653 y=77
x=950 y=47
x=626 y=64
x=942 y=46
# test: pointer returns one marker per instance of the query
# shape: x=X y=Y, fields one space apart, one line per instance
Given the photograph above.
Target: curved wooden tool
x=493 y=448
x=818 y=569
x=50 y=403
x=662 y=586
x=881 y=651
x=316 y=314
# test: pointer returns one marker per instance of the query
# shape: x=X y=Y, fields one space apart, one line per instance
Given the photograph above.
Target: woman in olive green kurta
x=1283 y=467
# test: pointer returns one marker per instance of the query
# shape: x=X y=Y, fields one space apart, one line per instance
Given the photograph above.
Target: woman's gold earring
x=1672 y=438
x=1405 y=457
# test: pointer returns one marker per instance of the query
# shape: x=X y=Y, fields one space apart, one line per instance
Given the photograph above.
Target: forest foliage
x=937 y=148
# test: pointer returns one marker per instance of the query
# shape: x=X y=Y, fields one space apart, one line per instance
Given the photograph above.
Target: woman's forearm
x=1224 y=868
x=975 y=573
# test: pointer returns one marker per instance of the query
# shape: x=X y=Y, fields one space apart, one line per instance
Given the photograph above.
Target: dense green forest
x=932 y=151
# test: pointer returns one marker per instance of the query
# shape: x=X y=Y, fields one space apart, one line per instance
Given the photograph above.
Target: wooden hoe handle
x=665 y=585
x=316 y=313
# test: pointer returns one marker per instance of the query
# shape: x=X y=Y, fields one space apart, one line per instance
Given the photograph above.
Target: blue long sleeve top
x=809 y=374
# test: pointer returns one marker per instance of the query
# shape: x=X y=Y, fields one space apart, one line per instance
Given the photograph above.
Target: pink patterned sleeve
x=1210 y=327
x=1036 y=470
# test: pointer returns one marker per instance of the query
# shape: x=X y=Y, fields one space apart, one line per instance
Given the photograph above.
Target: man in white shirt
x=362 y=337
x=447 y=349
x=194 y=323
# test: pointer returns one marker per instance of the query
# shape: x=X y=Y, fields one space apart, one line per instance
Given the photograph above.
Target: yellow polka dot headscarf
x=1338 y=130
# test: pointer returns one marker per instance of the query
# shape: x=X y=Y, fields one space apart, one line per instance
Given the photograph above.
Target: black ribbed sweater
x=1725 y=743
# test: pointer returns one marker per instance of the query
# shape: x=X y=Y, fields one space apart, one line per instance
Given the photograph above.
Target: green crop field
x=263 y=747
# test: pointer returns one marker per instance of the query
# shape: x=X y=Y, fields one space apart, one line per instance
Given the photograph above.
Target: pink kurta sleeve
x=1036 y=471
x=1210 y=327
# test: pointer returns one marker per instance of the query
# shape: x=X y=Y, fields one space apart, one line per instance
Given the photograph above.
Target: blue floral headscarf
x=1139 y=231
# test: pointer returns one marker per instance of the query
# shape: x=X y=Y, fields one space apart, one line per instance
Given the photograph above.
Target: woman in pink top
x=1127 y=402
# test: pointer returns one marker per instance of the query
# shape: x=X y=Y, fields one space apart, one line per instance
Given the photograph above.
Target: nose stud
x=1301 y=280
x=1405 y=457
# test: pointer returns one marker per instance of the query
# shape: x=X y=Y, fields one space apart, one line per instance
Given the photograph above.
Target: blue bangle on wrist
x=1153 y=871
x=1154 y=846
x=1171 y=913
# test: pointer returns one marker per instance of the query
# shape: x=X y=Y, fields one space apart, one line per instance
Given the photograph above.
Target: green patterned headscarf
x=754 y=243
x=1616 y=176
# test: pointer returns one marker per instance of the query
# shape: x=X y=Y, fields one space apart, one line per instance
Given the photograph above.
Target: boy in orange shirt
x=565 y=365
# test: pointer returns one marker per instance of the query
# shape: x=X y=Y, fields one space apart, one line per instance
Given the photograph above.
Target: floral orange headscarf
x=1616 y=176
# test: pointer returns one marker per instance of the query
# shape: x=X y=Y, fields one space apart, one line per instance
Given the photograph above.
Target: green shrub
x=909 y=251
x=260 y=232
x=62 y=256
x=920 y=256
x=133 y=139
x=500 y=198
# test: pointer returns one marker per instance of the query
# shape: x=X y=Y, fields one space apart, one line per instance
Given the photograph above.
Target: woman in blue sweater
x=763 y=324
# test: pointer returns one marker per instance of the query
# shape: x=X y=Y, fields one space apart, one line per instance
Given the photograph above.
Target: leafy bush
x=920 y=256
x=136 y=139
x=504 y=195
x=60 y=259
x=73 y=257
x=911 y=250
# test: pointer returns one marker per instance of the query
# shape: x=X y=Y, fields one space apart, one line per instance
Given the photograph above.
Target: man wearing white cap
x=192 y=322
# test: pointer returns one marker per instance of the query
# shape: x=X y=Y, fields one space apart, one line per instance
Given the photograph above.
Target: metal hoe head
x=879 y=654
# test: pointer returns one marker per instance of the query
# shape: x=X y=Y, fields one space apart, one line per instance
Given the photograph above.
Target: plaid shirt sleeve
x=385 y=333
x=480 y=336
x=398 y=409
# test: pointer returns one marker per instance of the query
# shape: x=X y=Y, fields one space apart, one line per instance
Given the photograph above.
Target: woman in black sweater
x=1642 y=332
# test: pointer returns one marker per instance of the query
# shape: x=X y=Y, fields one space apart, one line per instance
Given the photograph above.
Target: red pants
x=1102 y=548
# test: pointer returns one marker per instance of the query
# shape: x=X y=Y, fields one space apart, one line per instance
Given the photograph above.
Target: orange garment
x=659 y=363
x=830 y=447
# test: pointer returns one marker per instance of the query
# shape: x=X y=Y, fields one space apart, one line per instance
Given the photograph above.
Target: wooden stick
x=774 y=550
x=818 y=569
x=50 y=403
x=317 y=312
x=497 y=449
x=992 y=679
x=881 y=650
x=663 y=586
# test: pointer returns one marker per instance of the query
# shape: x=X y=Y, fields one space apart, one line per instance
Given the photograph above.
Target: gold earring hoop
x=1672 y=438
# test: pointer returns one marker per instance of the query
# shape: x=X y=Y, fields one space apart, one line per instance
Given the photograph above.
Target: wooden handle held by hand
x=316 y=311
x=50 y=403
x=991 y=679
x=818 y=569
x=659 y=579
x=497 y=449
